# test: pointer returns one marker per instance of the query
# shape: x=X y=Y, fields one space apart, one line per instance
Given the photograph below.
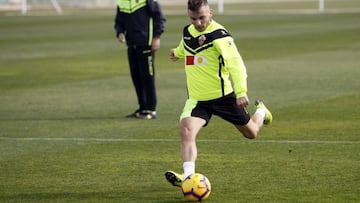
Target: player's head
x=200 y=14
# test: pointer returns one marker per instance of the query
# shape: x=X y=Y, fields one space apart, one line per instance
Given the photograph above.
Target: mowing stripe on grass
x=175 y=140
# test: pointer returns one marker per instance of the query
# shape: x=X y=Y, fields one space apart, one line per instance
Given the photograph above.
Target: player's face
x=201 y=18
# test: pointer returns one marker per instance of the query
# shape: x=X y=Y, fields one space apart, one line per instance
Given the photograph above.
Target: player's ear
x=211 y=12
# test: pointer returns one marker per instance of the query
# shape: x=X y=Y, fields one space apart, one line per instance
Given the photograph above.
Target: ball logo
x=201 y=187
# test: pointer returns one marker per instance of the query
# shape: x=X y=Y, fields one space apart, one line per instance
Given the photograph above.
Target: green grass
x=65 y=87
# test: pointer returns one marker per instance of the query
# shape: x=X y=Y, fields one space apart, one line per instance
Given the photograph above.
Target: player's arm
x=239 y=77
x=119 y=25
x=159 y=19
x=238 y=74
x=159 y=23
x=235 y=65
x=178 y=52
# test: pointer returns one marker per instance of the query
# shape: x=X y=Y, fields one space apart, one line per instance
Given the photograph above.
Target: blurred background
x=25 y=7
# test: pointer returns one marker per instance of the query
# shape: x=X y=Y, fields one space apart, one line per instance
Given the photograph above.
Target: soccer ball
x=196 y=187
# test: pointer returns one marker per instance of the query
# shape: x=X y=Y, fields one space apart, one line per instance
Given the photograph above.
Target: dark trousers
x=142 y=69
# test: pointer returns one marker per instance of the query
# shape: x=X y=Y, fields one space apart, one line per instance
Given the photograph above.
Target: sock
x=189 y=168
x=261 y=112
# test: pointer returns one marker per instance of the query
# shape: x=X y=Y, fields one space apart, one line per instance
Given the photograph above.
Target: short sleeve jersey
x=211 y=59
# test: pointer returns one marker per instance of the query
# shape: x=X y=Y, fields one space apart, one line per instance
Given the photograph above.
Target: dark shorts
x=224 y=107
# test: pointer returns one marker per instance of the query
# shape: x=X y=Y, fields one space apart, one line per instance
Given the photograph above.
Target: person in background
x=139 y=24
x=216 y=84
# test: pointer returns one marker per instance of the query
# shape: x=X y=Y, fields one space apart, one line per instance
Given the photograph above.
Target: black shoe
x=134 y=115
x=146 y=114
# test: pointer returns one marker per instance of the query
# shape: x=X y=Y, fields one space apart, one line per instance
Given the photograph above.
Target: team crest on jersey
x=202 y=39
x=195 y=60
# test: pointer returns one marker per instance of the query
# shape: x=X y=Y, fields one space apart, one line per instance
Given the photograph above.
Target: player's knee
x=186 y=134
x=184 y=130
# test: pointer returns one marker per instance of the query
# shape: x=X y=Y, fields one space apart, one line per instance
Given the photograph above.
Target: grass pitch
x=65 y=87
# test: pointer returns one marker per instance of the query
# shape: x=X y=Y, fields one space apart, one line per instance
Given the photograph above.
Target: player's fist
x=121 y=37
x=172 y=55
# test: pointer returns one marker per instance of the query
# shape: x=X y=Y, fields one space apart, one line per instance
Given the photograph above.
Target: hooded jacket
x=140 y=21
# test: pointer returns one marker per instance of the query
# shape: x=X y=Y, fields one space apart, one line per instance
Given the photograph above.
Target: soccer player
x=216 y=84
x=141 y=23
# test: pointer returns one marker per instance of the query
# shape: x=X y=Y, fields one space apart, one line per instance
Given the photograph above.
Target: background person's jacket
x=140 y=21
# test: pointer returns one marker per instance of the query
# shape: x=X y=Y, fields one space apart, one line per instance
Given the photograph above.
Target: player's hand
x=242 y=102
x=121 y=37
x=155 y=44
x=172 y=55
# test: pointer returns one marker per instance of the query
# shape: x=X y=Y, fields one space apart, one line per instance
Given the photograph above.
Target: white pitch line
x=176 y=140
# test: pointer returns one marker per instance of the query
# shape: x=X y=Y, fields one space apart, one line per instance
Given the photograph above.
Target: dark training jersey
x=132 y=19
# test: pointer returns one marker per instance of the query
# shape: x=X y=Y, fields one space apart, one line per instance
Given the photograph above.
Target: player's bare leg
x=260 y=117
x=189 y=128
x=252 y=128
